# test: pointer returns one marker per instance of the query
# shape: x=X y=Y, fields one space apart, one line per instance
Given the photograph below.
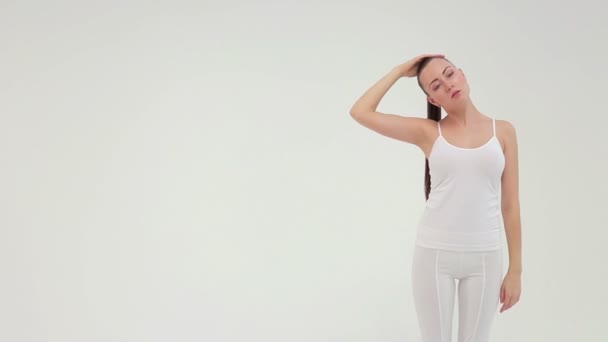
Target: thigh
x=434 y=291
x=478 y=295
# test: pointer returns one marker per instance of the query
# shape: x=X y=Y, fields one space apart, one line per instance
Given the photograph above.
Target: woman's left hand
x=510 y=291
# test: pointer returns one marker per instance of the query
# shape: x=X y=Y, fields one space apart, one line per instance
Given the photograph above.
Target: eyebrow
x=446 y=68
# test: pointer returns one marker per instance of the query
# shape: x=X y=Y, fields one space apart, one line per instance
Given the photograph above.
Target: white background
x=188 y=171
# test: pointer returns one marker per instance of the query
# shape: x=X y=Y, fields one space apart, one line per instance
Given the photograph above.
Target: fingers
x=420 y=57
x=506 y=305
x=508 y=301
x=510 y=291
x=505 y=298
x=416 y=61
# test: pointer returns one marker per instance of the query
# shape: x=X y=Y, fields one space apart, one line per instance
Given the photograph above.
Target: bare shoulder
x=431 y=127
x=505 y=126
x=431 y=133
x=506 y=133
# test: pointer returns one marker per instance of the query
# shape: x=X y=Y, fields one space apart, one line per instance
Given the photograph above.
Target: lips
x=456 y=92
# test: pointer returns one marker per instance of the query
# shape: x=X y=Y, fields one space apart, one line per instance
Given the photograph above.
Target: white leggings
x=434 y=275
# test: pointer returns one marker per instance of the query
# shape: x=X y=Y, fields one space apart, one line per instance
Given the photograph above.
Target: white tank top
x=462 y=212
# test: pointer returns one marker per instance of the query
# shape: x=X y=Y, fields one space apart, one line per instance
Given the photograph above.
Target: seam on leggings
x=483 y=290
x=438 y=292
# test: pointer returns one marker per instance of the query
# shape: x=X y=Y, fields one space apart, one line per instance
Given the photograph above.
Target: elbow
x=358 y=110
x=355 y=114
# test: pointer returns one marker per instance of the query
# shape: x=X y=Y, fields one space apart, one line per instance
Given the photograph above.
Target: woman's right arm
x=413 y=130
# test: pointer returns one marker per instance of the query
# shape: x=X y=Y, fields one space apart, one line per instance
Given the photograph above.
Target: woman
x=471 y=181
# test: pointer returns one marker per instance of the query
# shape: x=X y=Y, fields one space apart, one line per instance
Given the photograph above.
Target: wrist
x=396 y=72
x=514 y=271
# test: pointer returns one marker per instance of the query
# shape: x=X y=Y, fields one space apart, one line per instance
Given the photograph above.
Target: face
x=445 y=85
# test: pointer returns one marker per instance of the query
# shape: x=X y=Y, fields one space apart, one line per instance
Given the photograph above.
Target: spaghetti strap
x=439 y=128
x=494 y=126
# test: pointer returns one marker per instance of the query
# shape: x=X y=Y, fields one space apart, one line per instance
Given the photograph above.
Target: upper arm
x=413 y=130
x=510 y=176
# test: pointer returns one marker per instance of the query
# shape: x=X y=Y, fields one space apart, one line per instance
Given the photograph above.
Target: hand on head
x=409 y=68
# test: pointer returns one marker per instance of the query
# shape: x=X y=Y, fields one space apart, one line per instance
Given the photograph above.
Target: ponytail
x=433 y=113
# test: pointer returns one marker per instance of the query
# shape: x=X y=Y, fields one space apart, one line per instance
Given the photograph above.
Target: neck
x=465 y=113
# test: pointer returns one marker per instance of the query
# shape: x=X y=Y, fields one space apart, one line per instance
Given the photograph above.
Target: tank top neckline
x=492 y=139
x=469 y=148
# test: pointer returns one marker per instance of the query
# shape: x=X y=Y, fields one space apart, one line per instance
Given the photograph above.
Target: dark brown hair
x=433 y=113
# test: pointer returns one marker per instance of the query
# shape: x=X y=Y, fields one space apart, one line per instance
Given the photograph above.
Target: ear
x=431 y=100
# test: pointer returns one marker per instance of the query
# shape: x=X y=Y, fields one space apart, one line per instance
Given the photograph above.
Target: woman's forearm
x=370 y=100
x=513 y=233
